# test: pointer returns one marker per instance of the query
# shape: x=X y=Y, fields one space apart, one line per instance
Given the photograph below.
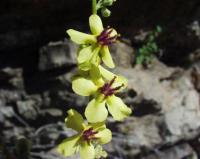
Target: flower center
x=89 y=134
x=107 y=89
x=107 y=37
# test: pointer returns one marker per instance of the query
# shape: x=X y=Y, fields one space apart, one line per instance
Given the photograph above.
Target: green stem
x=94 y=6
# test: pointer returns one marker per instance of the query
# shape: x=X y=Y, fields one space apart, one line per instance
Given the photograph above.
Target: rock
x=194 y=72
x=52 y=112
x=12 y=77
x=194 y=57
x=7 y=111
x=28 y=109
x=123 y=54
x=195 y=27
x=10 y=96
x=57 y=54
x=173 y=90
x=135 y=134
x=181 y=151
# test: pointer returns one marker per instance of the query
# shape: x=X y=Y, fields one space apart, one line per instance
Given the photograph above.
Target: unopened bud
x=105 y=12
x=108 y=2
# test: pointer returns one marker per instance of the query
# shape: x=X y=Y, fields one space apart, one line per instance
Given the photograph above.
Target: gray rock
x=173 y=90
x=123 y=54
x=27 y=109
x=182 y=151
x=10 y=96
x=13 y=76
x=57 y=54
x=134 y=134
x=7 y=111
x=52 y=112
x=194 y=71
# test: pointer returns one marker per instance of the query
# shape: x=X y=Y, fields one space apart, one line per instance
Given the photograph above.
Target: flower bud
x=105 y=12
x=108 y=2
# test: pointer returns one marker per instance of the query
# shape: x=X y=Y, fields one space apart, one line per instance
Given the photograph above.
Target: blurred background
x=37 y=60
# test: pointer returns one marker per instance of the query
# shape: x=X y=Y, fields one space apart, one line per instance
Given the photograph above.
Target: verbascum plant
x=97 y=82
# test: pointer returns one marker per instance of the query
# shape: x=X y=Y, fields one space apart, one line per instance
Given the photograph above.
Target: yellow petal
x=108 y=76
x=95 y=59
x=81 y=38
x=117 y=108
x=85 y=66
x=104 y=136
x=96 y=25
x=74 y=120
x=69 y=146
x=120 y=81
x=83 y=86
x=84 y=54
x=98 y=126
x=106 y=57
x=96 y=111
x=87 y=151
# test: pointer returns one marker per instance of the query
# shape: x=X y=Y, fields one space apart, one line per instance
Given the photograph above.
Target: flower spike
x=96 y=43
x=86 y=135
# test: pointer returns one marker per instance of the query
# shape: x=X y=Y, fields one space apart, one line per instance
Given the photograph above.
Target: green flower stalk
x=95 y=46
x=103 y=91
x=88 y=135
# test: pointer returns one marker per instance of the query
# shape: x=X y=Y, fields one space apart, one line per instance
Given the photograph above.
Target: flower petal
x=87 y=151
x=96 y=25
x=69 y=146
x=117 y=108
x=89 y=60
x=83 y=86
x=85 y=66
x=120 y=81
x=95 y=60
x=81 y=38
x=74 y=120
x=106 y=57
x=108 y=76
x=96 y=111
x=95 y=75
x=104 y=136
x=98 y=126
x=84 y=54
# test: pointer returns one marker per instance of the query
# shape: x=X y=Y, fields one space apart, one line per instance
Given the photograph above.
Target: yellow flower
x=103 y=90
x=87 y=135
x=95 y=45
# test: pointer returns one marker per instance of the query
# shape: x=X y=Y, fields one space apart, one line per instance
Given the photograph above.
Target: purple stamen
x=89 y=134
x=105 y=37
x=107 y=89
